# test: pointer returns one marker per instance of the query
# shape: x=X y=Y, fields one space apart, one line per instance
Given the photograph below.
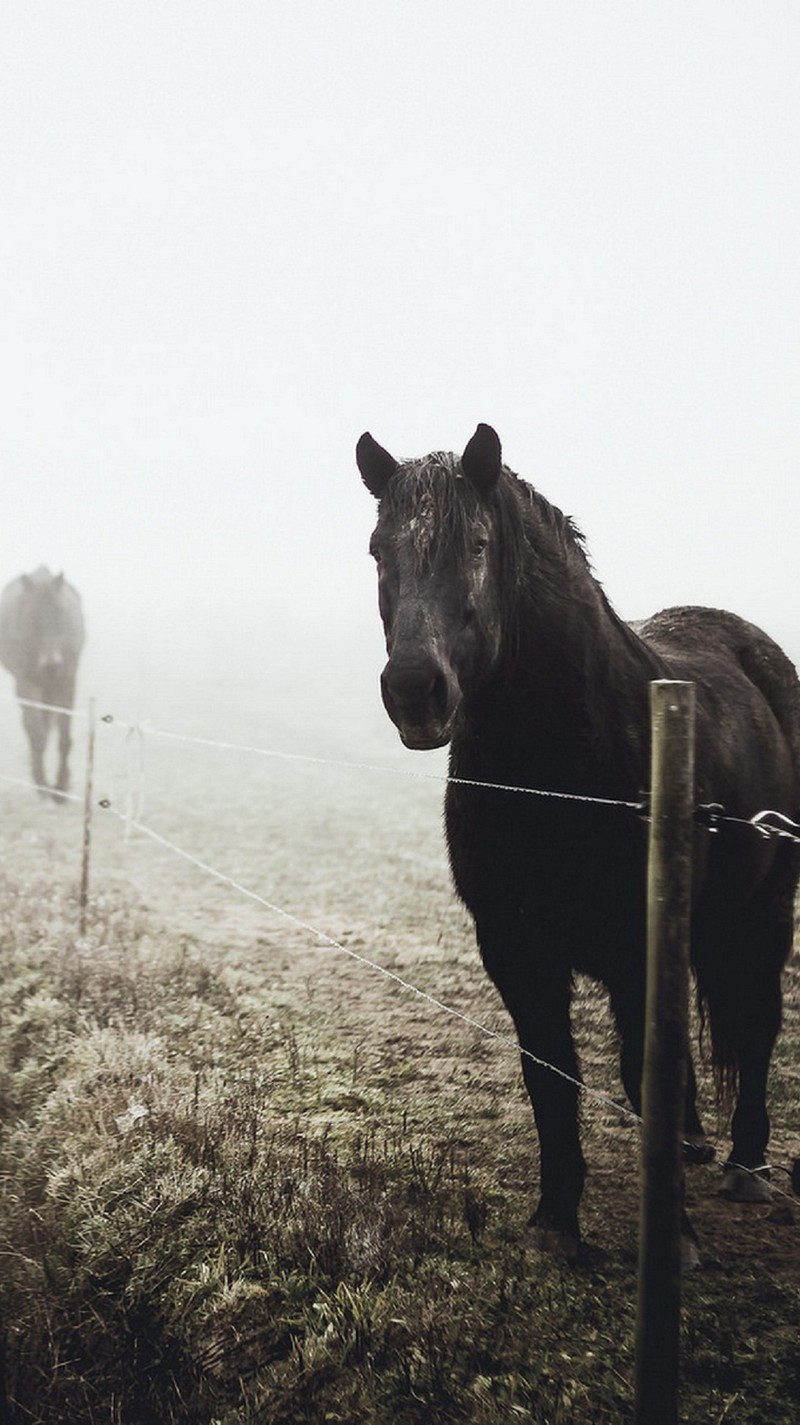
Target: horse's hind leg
x=754 y=1028
x=745 y=1014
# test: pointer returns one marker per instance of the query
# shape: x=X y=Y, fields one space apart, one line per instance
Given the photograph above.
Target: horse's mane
x=563 y=526
x=431 y=495
x=542 y=552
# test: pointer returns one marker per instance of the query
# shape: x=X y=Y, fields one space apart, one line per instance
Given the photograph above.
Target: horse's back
x=692 y=629
x=12 y=627
x=73 y=613
x=10 y=601
x=743 y=677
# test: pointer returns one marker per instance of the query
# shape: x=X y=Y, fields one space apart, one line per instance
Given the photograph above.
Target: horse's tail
x=738 y=972
x=717 y=1046
x=738 y=975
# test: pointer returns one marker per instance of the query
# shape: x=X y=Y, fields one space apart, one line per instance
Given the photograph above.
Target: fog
x=236 y=235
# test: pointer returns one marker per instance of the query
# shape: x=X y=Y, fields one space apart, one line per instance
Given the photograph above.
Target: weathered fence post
x=665 y=1052
x=87 y=815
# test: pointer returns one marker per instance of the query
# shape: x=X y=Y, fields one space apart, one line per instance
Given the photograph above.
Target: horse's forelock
x=433 y=504
x=435 y=508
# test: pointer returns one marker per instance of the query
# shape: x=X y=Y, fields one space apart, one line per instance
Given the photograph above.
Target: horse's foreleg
x=627 y=1003
x=64 y=746
x=555 y=1108
x=538 y=1000
x=36 y=724
x=696 y=1147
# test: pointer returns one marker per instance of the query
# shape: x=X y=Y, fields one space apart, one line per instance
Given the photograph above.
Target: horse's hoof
x=745 y=1185
x=554 y=1240
x=698 y=1150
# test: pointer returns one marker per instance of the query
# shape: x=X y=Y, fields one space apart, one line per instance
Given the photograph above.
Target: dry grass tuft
x=208 y=1215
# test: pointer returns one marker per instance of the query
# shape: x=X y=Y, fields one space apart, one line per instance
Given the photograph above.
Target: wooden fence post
x=87 y=815
x=669 y=881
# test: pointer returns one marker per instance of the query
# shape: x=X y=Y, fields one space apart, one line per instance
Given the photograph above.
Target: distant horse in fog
x=41 y=637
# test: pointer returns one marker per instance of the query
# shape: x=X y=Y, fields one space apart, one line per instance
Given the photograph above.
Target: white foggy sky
x=235 y=235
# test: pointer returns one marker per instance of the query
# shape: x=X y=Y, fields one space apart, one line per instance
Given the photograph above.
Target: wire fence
x=765 y=823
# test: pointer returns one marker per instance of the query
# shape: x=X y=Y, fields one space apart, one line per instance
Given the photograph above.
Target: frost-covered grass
x=210 y=1213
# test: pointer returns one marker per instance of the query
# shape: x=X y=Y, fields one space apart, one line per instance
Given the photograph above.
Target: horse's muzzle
x=421 y=700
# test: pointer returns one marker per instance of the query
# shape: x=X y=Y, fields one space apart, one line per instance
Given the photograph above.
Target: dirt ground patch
x=359 y=857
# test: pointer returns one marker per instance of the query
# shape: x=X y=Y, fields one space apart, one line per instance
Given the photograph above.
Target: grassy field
x=244 y=1178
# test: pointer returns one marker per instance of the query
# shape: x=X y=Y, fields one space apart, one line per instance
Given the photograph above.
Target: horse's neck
x=568 y=698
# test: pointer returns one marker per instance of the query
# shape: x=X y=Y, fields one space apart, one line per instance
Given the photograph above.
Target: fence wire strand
x=766 y=823
x=505 y=1039
x=48 y=792
x=348 y=765
x=49 y=707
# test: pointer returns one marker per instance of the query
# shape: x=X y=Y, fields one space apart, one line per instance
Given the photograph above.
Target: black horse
x=41 y=636
x=501 y=641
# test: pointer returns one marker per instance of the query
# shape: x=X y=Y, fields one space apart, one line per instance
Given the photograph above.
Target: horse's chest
x=573 y=873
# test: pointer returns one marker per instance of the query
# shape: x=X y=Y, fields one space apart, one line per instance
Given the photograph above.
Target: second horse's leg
x=64 y=746
x=36 y=724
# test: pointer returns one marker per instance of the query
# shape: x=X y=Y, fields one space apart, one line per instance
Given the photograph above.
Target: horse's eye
x=479 y=546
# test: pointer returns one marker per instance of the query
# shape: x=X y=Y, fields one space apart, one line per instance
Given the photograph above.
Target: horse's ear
x=482 y=460
x=377 y=466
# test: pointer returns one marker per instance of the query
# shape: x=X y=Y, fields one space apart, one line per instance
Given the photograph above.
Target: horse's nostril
x=416 y=690
x=439 y=691
x=408 y=686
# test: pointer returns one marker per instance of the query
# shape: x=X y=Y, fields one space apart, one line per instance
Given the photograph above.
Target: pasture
x=246 y=1178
